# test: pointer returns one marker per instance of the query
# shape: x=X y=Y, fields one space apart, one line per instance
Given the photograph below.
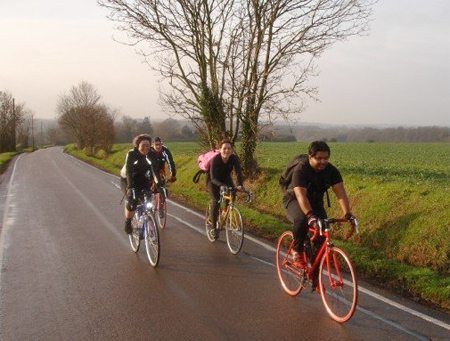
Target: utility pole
x=32 y=132
x=13 y=137
x=41 y=142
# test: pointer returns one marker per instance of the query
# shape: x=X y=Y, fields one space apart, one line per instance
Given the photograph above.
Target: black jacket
x=166 y=156
x=141 y=170
x=220 y=172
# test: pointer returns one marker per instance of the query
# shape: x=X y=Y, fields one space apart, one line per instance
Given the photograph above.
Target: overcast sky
x=398 y=75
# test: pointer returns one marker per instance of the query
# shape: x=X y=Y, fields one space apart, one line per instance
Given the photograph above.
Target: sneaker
x=298 y=259
x=128 y=228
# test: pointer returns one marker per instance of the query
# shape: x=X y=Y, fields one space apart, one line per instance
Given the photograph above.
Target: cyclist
x=219 y=178
x=310 y=180
x=138 y=174
x=164 y=156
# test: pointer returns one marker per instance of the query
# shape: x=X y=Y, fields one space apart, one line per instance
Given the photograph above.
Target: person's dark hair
x=138 y=139
x=157 y=139
x=318 y=146
x=224 y=141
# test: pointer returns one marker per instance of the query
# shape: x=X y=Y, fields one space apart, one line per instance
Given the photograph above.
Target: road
x=68 y=273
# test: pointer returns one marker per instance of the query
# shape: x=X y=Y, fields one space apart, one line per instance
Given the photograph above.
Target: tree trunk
x=249 y=139
x=212 y=112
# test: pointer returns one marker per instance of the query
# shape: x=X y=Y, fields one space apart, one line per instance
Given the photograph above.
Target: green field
x=399 y=192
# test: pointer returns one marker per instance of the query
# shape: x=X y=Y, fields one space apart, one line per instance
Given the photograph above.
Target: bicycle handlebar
x=325 y=223
x=249 y=194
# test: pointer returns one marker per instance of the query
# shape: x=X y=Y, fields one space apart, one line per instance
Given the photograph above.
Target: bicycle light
x=149 y=205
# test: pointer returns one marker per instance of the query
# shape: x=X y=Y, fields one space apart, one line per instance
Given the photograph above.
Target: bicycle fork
x=333 y=269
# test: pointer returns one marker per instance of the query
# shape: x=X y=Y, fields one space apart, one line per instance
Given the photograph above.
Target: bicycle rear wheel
x=134 y=235
x=210 y=230
x=161 y=212
x=339 y=295
x=152 y=245
x=291 y=278
x=234 y=231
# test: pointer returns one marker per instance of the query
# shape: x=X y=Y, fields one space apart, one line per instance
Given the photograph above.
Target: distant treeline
x=125 y=128
x=357 y=134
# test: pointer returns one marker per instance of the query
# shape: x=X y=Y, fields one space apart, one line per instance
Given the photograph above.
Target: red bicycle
x=330 y=265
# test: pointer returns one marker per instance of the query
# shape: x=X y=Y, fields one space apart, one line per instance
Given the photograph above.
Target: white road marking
x=6 y=223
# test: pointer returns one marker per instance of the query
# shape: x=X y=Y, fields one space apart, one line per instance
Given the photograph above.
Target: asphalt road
x=68 y=273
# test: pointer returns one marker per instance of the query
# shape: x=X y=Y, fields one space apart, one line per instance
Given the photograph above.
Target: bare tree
x=126 y=129
x=85 y=118
x=24 y=137
x=230 y=62
x=146 y=126
x=12 y=116
x=169 y=129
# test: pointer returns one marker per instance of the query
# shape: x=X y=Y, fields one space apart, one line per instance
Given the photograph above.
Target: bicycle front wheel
x=234 y=231
x=339 y=294
x=134 y=236
x=291 y=278
x=152 y=245
x=161 y=212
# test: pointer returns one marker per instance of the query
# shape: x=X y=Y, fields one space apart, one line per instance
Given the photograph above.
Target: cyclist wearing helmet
x=219 y=177
x=138 y=174
x=310 y=180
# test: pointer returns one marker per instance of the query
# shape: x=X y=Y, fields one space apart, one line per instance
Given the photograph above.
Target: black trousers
x=300 y=224
x=214 y=194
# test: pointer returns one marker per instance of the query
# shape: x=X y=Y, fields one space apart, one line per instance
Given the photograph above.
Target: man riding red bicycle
x=303 y=200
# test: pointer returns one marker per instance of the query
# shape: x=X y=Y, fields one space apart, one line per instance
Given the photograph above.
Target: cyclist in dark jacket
x=219 y=177
x=138 y=174
x=164 y=157
x=310 y=180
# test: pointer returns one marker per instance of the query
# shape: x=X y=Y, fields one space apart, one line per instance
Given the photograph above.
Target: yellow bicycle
x=229 y=218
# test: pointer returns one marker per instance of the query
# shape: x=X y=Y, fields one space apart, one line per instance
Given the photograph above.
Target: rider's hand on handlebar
x=312 y=219
x=352 y=220
x=350 y=217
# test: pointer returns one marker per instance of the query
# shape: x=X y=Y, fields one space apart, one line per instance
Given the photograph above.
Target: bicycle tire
x=291 y=278
x=339 y=295
x=234 y=231
x=210 y=234
x=152 y=244
x=161 y=221
x=134 y=236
